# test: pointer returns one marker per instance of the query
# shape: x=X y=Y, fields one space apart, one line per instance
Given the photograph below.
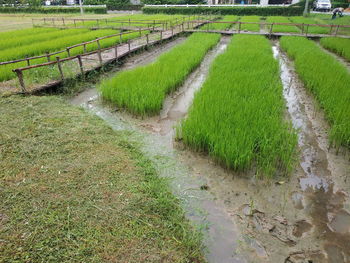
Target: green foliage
x=310 y=29
x=237 y=116
x=143 y=90
x=250 y=27
x=221 y=26
x=247 y=10
x=327 y=79
x=341 y=46
x=282 y=28
x=52 y=10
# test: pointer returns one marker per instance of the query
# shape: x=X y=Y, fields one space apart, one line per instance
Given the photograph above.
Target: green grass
x=24 y=33
x=281 y=28
x=73 y=190
x=237 y=116
x=250 y=27
x=341 y=46
x=142 y=90
x=327 y=79
x=309 y=20
x=29 y=39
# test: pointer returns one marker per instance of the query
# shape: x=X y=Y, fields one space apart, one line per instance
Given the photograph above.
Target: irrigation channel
x=303 y=218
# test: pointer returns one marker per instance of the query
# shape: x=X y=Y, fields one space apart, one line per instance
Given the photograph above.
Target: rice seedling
x=39 y=37
x=250 y=27
x=237 y=116
x=221 y=26
x=310 y=29
x=50 y=46
x=282 y=28
x=24 y=32
x=341 y=46
x=327 y=79
x=142 y=90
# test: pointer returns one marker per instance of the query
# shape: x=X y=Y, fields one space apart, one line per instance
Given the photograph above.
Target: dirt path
x=294 y=219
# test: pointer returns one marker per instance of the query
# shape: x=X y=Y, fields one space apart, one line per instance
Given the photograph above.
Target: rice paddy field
x=188 y=141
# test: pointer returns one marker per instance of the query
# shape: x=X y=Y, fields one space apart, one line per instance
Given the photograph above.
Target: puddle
x=321 y=187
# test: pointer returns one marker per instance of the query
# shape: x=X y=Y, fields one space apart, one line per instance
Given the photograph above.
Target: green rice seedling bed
x=237 y=116
x=327 y=79
x=341 y=46
x=250 y=27
x=39 y=37
x=142 y=90
x=222 y=26
x=311 y=29
x=281 y=28
x=24 y=32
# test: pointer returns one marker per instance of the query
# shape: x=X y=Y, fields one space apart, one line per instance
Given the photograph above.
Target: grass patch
x=142 y=90
x=73 y=190
x=237 y=116
x=309 y=20
x=327 y=79
x=341 y=46
x=214 y=26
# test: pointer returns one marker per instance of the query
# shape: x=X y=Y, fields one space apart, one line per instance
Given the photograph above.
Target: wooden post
x=120 y=38
x=47 y=56
x=239 y=27
x=147 y=40
x=336 y=31
x=271 y=29
x=84 y=48
x=188 y=25
x=28 y=61
x=129 y=45
x=207 y=27
x=98 y=25
x=21 y=80
x=75 y=25
x=161 y=37
x=116 y=51
x=307 y=29
x=330 y=31
x=63 y=23
x=60 y=67
x=68 y=52
x=99 y=52
x=182 y=25
x=80 y=65
x=53 y=22
x=172 y=31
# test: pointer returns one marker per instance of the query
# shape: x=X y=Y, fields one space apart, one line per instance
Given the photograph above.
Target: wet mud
x=303 y=218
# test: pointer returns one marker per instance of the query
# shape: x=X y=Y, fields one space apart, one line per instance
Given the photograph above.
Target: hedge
x=111 y=6
x=340 y=4
x=50 y=10
x=261 y=11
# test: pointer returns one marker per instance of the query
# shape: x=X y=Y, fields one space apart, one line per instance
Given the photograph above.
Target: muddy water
x=298 y=219
x=156 y=136
x=323 y=183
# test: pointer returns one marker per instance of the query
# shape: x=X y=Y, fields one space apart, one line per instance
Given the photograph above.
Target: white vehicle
x=322 y=5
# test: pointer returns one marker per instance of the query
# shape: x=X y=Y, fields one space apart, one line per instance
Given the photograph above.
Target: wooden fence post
x=307 y=29
x=120 y=38
x=47 y=56
x=80 y=65
x=21 y=80
x=63 y=23
x=147 y=40
x=239 y=26
x=68 y=52
x=28 y=61
x=99 y=52
x=161 y=35
x=75 y=25
x=116 y=51
x=129 y=45
x=336 y=31
x=84 y=48
x=330 y=31
x=271 y=29
x=172 y=31
x=60 y=67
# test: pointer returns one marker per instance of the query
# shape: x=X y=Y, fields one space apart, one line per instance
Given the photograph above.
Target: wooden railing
x=303 y=27
x=68 y=49
x=58 y=61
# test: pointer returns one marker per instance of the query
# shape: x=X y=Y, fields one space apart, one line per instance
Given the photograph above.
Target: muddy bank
x=303 y=218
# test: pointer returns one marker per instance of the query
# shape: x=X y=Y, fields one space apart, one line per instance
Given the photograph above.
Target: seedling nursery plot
x=210 y=108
